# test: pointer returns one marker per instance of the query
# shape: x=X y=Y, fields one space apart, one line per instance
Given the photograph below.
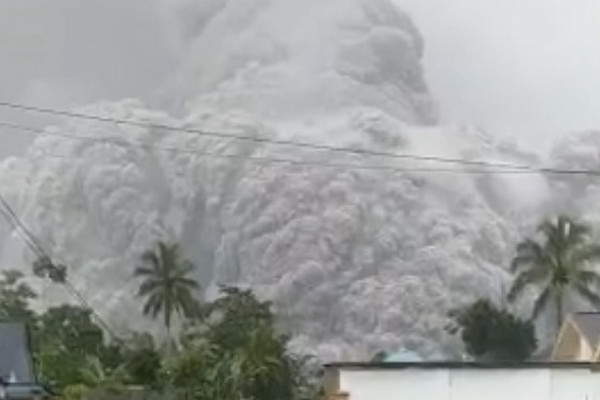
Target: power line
x=274 y=160
x=31 y=240
x=10 y=221
x=313 y=146
x=35 y=245
x=253 y=158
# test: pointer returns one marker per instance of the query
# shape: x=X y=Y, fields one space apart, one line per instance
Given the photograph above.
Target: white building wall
x=408 y=384
x=575 y=384
x=471 y=384
x=499 y=384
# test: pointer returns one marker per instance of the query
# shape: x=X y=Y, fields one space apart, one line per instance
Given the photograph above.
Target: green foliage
x=74 y=392
x=236 y=313
x=492 y=334
x=95 y=374
x=70 y=350
x=73 y=328
x=236 y=353
x=232 y=349
x=47 y=359
x=66 y=336
x=112 y=355
x=15 y=296
x=143 y=367
x=307 y=378
x=96 y=365
x=204 y=372
x=558 y=263
x=133 y=359
x=56 y=334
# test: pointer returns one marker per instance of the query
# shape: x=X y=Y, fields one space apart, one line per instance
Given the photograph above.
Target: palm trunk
x=168 y=349
x=170 y=390
x=559 y=312
x=168 y=327
x=169 y=344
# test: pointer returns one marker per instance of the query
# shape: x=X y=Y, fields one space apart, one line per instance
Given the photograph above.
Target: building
x=462 y=381
x=567 y=370
x=578 y=339
x=17 y=375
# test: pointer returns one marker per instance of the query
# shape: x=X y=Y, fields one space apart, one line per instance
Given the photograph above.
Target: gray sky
x=529 y=69
x=62 y=53
x=523 y=68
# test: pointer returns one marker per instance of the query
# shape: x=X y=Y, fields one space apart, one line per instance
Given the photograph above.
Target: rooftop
x=589 y=325
x=15 y=353
x=462 y=365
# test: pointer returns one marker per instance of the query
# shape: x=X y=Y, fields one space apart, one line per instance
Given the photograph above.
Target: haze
x=519 y=68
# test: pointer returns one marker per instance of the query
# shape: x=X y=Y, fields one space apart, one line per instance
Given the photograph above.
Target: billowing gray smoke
x=356 y=259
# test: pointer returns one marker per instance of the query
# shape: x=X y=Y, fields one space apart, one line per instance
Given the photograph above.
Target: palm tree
x=167 y=287
x=557 y=265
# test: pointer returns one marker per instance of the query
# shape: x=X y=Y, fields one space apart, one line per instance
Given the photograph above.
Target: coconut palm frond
x=588 y=295
x=535 y=275
x=167 y=285
x=541 y=303
x=558 y=262
x=529 y=253
x=588 y=278
x=586 y=254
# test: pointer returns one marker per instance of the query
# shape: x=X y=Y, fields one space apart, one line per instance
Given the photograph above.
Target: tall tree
x=167 y=285
x=558 y=263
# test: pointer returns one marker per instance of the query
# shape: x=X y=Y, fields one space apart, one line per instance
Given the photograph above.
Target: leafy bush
x=489 y=333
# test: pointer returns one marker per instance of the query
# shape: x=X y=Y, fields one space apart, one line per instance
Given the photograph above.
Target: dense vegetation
x=228 y=348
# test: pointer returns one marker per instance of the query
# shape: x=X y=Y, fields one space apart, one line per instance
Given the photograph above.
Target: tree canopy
x=493 y=334
x=237 y=348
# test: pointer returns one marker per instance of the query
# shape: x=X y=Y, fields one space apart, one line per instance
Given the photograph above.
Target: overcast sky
x=523 y=68
x=61 y=53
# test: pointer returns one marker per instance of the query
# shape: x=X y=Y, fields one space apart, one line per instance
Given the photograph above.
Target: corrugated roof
x=589 y=325
x=15 y=355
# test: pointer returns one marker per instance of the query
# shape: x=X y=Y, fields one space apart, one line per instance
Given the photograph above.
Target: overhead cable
x=278 y=160
x=258 y=139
